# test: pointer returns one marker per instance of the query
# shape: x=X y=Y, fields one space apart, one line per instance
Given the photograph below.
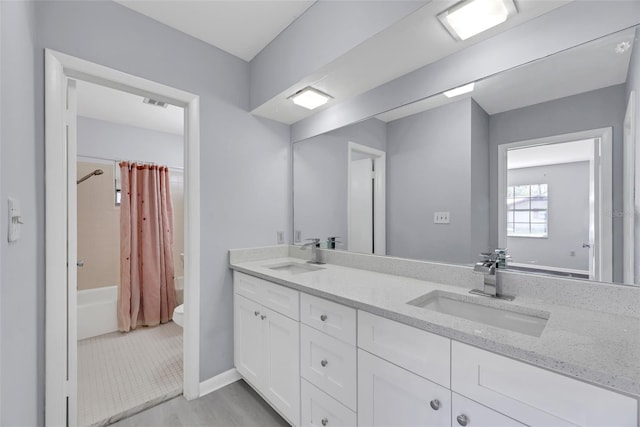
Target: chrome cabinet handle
x=435 y=404
x=324 y=363
x=324 y=421
x=323 y=317
x=80 y=263
x=462 y=420
x=256 y=313
x=263 y=317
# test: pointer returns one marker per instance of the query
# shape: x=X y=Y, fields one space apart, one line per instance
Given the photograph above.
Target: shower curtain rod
x=136 y=161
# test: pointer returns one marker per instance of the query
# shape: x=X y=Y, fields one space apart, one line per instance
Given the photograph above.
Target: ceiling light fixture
x=310 y=98
x=471 y=17
x=459 y=90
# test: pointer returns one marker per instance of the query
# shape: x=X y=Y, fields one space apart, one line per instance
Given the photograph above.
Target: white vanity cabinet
x=267 y=342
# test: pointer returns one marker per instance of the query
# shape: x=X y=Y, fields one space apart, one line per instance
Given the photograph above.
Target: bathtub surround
x=97 y=311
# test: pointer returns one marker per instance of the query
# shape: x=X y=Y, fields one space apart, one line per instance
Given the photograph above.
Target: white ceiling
x=111 y=105
x=240 y=27
x=551 y=154
x=413 y=42
x=584 y=68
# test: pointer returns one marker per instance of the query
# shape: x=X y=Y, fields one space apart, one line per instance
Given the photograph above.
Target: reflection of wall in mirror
x=568 y=217
x=590 y=110
x=438 y=161
x=320 y=178
x=633 y=84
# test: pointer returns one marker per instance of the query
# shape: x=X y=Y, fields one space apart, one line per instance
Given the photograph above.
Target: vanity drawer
x=320 y=410
x=329 y=364
x=418 y=351
x=278 y=298
x=535 y=396
x=329 y=317
x=475 y=415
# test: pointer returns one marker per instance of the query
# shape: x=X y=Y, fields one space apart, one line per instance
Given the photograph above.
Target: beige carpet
x=121 y=374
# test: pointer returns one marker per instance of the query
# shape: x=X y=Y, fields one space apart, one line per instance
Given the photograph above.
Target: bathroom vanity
x=330 y=345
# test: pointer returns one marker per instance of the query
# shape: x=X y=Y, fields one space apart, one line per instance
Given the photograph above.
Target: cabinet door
x=390 y=396
x=248 y=354
x=282 y=363
x=466 y=412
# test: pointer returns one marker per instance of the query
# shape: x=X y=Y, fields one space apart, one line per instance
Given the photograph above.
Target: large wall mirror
x=539 y=159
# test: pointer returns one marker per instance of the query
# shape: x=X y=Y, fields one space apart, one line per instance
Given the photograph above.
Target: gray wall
x=22 y=294
x=568 y=217
x=479 y=181
x=591 y=110
x=633 y=84
x=429 y=169
x=320 y=178
x=244 y=169
x=99 y=138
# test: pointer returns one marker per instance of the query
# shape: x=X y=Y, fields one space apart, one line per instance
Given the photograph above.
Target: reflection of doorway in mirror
x=556 y=204
x=366 y=200
x=631 y=196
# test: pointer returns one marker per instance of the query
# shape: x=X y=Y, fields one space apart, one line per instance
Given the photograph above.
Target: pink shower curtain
x=146 y=295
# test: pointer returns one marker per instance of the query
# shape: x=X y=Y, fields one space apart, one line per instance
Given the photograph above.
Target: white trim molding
x=219 y=381
x=60 y=68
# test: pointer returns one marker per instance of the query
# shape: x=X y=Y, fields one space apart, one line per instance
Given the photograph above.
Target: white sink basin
x=514 y=318
x=294 y=267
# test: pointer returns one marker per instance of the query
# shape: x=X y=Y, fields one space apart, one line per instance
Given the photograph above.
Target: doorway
x=366 y=204
x=61 y=74
x=555 y=198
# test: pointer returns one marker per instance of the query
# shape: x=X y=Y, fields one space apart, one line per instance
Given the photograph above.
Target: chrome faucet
x=492 y=280
x=316 y=255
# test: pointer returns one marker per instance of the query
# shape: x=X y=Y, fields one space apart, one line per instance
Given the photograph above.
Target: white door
x=390 y=396
x=361 y=206
x=281 y=356
x=248 y=354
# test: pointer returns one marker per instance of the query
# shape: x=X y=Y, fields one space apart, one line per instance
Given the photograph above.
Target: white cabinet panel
x=468 y=413
x=329 y=317
x=321 y=410
x=248 y=354
x=426 y=354
x=276 y=297
x=330 y=364
x=282 y=359
x=536 y=396
x=391 y=396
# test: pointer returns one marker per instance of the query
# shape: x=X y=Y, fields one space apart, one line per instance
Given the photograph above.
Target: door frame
x=601 y=173
x=379 y=204
x=60 y=175
x=629 y=173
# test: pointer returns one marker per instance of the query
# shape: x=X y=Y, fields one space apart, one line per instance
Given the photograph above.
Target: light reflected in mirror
x=539 y=159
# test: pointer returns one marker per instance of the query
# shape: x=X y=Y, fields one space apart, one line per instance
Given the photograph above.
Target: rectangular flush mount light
x=471 y=17
x=459 y=90
x=309 y=98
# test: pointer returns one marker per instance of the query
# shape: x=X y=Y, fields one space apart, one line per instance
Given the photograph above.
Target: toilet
x=178 y=315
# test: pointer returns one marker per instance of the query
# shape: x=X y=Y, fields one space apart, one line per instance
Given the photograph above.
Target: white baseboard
x=219 y=381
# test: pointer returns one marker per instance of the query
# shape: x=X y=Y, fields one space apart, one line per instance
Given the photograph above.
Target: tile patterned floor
x=122 y=374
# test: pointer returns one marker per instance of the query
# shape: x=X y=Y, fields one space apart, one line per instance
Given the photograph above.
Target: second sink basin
x=517 y=319
x=294 y=267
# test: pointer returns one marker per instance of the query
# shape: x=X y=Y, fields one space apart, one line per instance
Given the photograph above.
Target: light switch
x=441 y=217
x=15 y=219
x=280 y=237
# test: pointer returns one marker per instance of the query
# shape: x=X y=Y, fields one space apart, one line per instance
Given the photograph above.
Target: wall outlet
x=441 y=217
x=298 y=236
x=280 y=237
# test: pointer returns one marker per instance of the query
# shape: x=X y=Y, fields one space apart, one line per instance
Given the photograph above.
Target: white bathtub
x=97 y=311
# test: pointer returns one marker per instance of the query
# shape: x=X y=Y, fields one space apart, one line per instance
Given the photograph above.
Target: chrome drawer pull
x=324 y=363
x=323 y=317
x=462 y=420
x=435 y=404
x=256 y=313
x=324 y=421
x=263 y=317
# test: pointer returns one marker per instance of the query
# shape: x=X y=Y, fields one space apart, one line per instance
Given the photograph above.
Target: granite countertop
x=592 y=346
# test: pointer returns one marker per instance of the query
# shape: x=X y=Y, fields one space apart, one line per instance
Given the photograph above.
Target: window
x=527 y=208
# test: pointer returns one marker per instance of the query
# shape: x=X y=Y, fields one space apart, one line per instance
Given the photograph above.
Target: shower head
x=89 y=175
